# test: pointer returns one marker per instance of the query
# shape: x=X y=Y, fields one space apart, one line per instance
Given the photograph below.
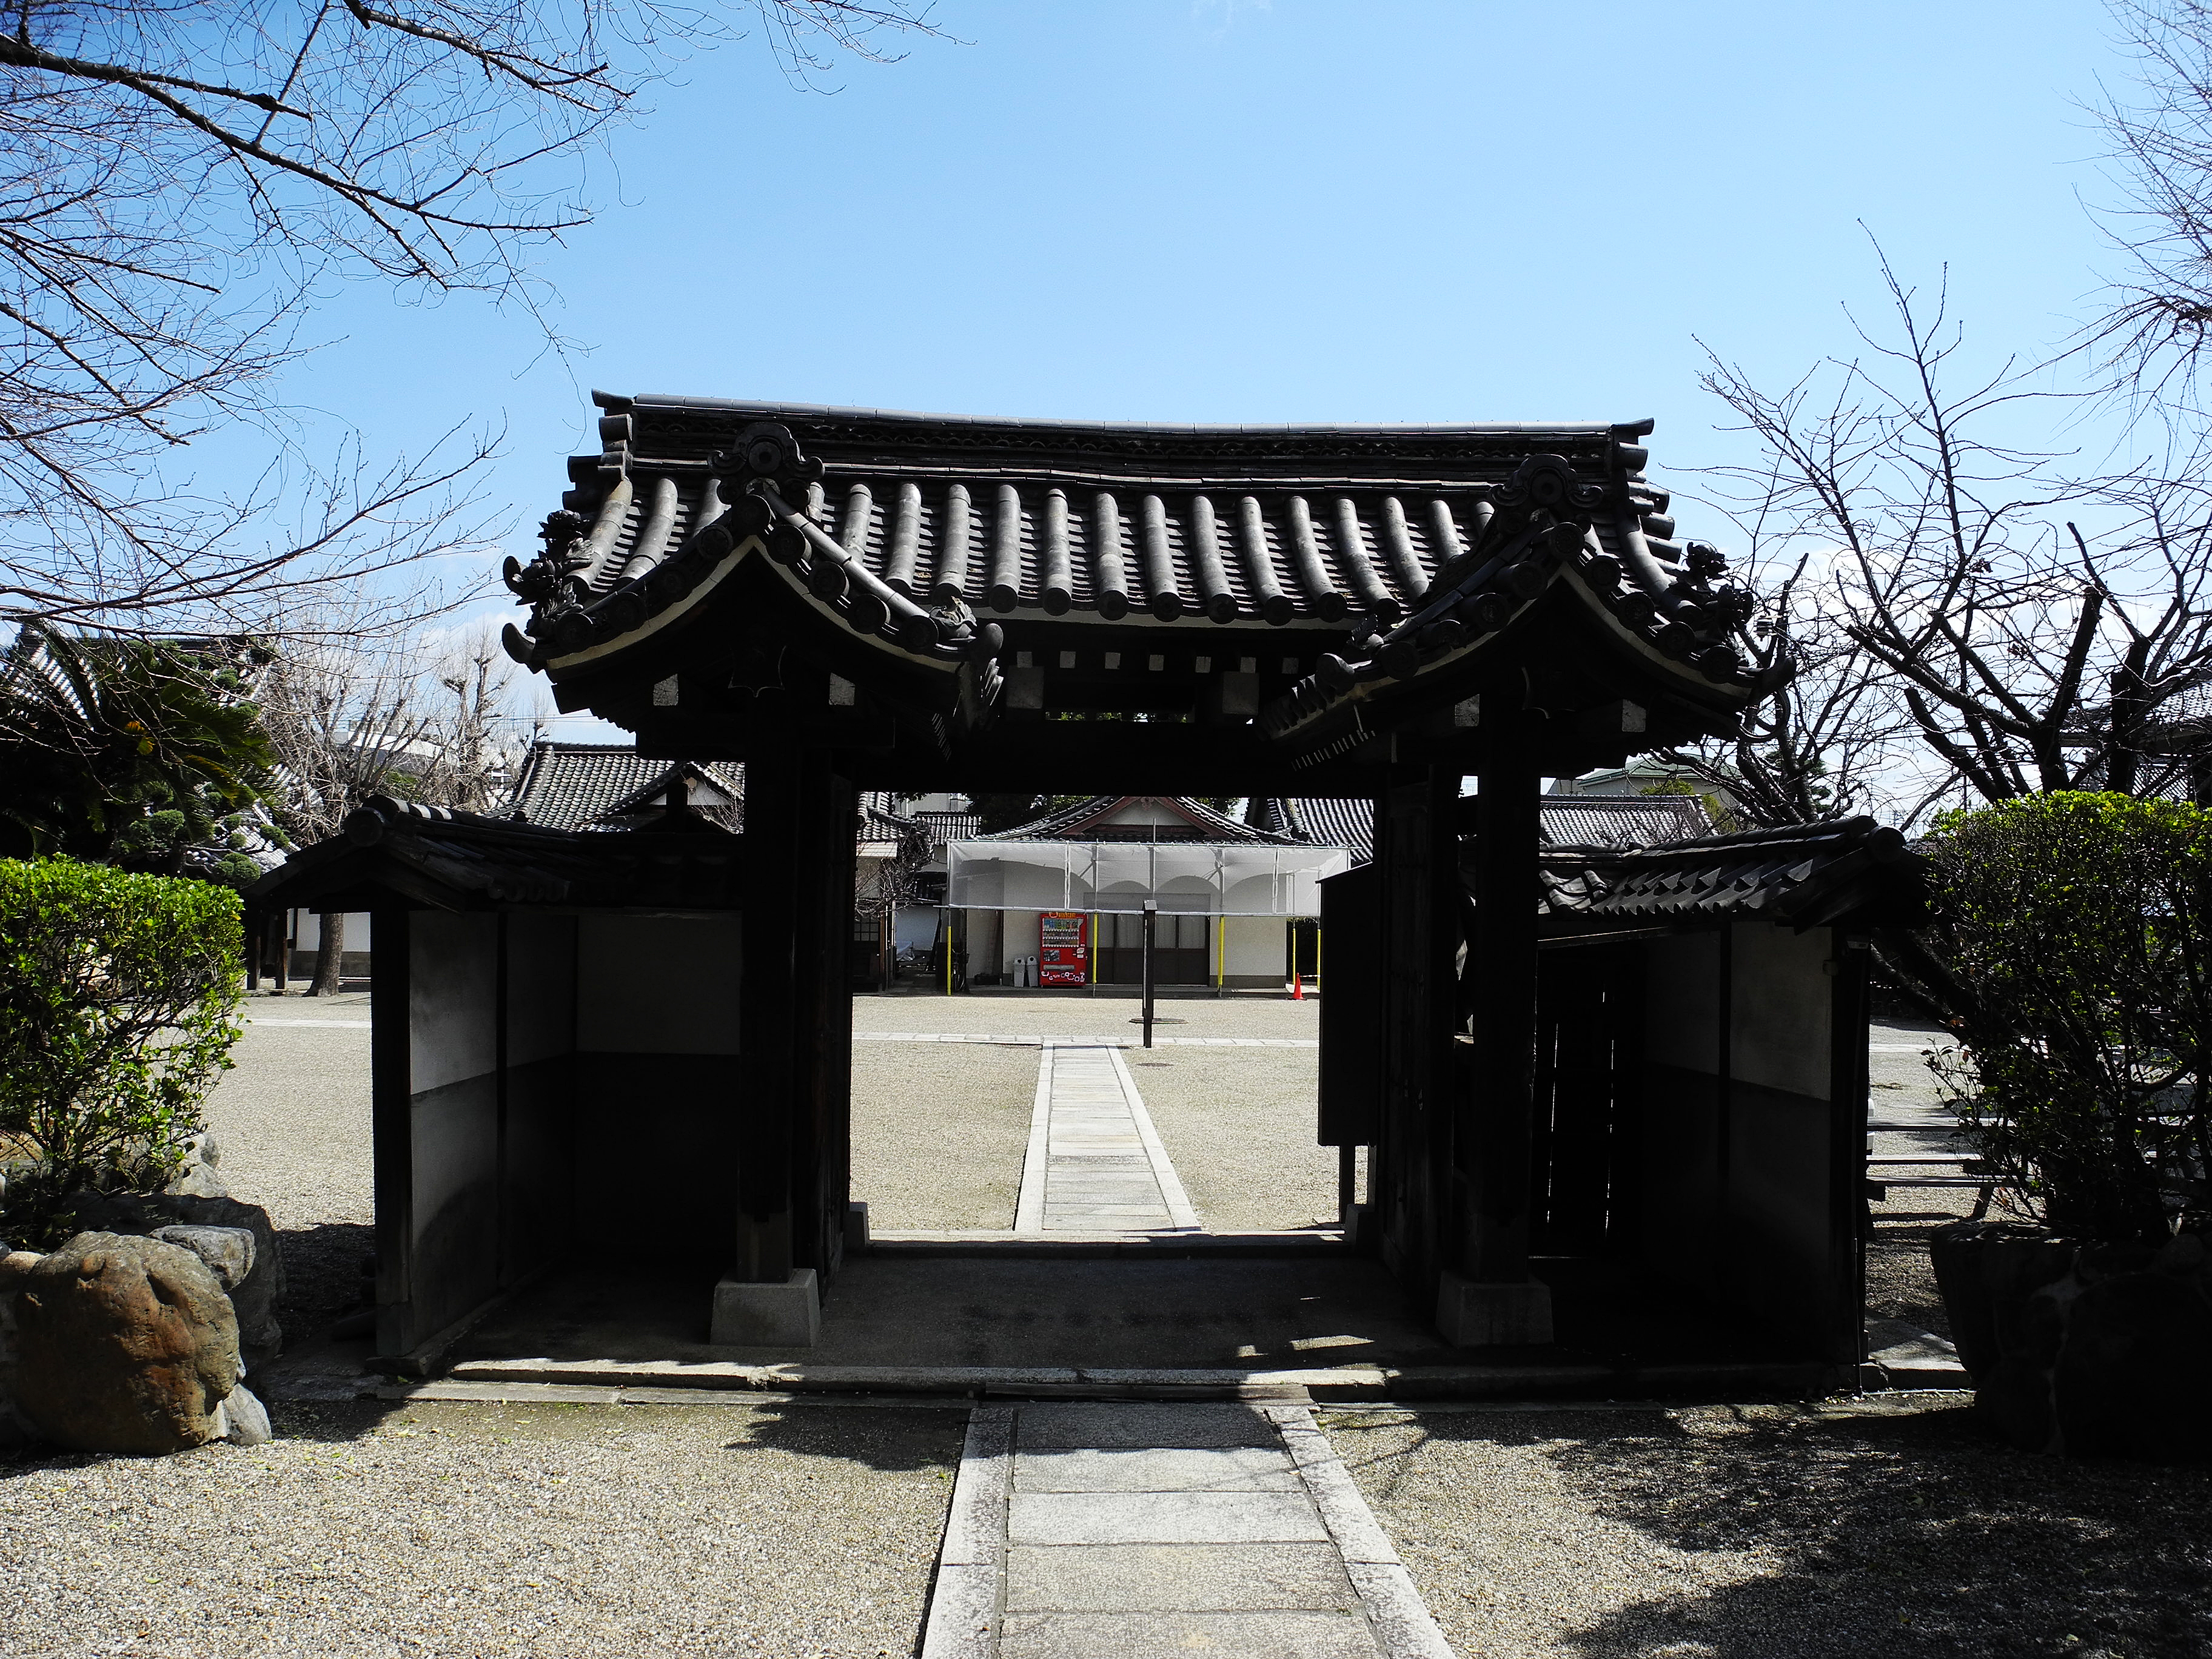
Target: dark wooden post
x=767 y=1005
x=794 y=1012
x=1151 y=917
x=1409 y=1176
x=1504 y=986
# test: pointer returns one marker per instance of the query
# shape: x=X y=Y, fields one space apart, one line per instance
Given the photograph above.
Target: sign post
x=1151 y=917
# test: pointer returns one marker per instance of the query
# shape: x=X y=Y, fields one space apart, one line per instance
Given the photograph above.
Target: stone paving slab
x=1095 y=1164
x=1127 y=1530
x=1256 y=1635
x=1164 y=1517
x=1225 y=1468
x=1087 y=1426
x=1179 y=1578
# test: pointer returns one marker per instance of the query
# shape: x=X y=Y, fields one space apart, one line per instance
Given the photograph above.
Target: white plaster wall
x=1018 y=937
x=665 y=984
x=452 y=987
x=1785 y=1000
x=1681 y=1001
x=1255 y=946
x=309 y=932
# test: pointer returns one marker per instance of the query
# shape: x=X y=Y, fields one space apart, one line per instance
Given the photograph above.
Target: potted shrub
x=2072 y=958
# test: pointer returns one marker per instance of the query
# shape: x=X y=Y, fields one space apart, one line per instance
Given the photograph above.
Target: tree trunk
x=330 y=955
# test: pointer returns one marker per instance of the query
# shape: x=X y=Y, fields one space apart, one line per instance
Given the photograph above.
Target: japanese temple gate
x=846 y=598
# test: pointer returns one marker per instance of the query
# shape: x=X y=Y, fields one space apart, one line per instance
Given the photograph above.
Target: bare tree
x=175 y=180
x=475 y=738
x=2024 y=658
x=2154 y=329
x=1823 y=743
x=342 y=711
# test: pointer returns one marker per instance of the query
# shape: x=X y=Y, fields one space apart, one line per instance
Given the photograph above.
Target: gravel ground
x=291 y=1127
x=1078 y=1012
x=475 y=1530
x=1238 y=1125
x=1779 y=1532
x=939 y=1132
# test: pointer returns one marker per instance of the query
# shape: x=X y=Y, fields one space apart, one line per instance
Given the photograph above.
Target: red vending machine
x=1063 y=950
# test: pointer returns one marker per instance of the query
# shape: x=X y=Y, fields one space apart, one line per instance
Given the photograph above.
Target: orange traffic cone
x=1297 y=986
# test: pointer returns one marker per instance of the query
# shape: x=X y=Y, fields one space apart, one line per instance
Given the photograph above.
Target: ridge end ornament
x=549 y=584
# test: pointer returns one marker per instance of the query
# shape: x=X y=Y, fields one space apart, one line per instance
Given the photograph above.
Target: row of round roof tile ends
x=1274 y=556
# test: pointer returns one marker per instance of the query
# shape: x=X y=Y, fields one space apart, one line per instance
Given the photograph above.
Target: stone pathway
x=1139 y=1531
x=1095 y=1163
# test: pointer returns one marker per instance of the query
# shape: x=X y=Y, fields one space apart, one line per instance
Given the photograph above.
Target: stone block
x=1164 y=1517
x=1472 y=1316
x=856 y=1227
x=786 y=1315
x=1049 y=1427
x=1214 y=1468
x=1173 y=1635
x=1178 y=1578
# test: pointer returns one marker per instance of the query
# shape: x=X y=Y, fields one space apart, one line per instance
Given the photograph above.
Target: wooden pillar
x=1495 y=1143
x=1409 y=1174
x=392 y=1127
x=768 y=1006
x=795 y=1017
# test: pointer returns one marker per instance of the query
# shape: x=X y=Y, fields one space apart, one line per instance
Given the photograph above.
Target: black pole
x=1152 y=916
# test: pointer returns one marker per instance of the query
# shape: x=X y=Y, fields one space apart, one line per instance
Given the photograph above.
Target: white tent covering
x=1116 y=876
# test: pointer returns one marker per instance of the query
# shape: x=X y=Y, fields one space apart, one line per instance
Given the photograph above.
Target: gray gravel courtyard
x=1887 y=1527
x=460 y=1529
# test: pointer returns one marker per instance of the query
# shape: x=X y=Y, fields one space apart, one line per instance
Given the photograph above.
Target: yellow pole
x=1220 y=948
x=948 y=950
x=1316 y=958
x=1091 y=962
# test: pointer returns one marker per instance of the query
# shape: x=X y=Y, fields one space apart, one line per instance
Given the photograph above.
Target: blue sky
x=1189 y=211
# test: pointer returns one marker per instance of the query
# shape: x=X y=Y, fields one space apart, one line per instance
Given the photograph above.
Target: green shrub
x=119 y=1003
x=2073 y=957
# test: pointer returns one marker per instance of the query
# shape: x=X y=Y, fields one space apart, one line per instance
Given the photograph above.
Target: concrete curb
x=1156 y=1153
x=1369 y=1384
x=1402 y=1624
x=963 y=1601
x=1029 y=1203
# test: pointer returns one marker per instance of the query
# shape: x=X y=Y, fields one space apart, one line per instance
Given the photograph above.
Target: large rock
x=254 y=1297
x=14 y=1431
x=124 y=1344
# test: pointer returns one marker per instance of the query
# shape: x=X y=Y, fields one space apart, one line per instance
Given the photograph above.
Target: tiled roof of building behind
x=578 y=786
x=1084 y=821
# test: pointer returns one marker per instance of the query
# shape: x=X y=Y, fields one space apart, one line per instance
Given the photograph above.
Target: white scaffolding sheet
x=1113 y=877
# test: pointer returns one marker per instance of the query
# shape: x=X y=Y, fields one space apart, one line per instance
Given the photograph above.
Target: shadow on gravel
x=888 y=1438
x=1904 y=1534
x=323 y=1275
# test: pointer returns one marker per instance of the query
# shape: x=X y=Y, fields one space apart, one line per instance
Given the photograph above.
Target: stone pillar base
x=856 y=1227
x=1472 y=1316
x=786 y=1315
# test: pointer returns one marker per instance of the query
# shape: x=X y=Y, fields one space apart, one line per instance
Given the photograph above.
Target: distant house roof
x=597 y=785
x=1563 y=821
x=951 y=826
x=1112 y=818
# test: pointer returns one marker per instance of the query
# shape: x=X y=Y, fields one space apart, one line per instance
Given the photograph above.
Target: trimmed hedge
x=2072 y=955
x=119 y=1005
